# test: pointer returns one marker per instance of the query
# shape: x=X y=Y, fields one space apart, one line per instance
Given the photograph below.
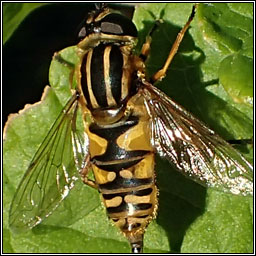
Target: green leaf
x=226 y=226
x=190 y=218
x=236 y=76
x=13 y=15
x=234 y=40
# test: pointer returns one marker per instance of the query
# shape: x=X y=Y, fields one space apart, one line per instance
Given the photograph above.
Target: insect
x=127 y=120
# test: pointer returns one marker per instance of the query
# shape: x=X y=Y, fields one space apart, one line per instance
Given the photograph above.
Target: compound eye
x=111 y=28
x=117 y=24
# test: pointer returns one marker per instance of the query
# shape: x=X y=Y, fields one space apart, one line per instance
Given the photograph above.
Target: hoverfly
x=127 y=120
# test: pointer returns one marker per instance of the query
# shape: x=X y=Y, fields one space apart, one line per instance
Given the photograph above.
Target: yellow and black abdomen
x=123 y=164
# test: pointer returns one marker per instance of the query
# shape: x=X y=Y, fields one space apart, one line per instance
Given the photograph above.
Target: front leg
x=84 y=174
x=145 y=50
x=160 y=74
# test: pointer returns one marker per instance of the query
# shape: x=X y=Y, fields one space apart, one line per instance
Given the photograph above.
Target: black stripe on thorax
x=84 y=84
x=97 y=75
x=116 y=72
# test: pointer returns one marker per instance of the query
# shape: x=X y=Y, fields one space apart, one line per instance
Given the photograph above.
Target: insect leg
x=90 y=182
x=84 y=174
x=146 y=46
x=60 y=59
x=160 y=74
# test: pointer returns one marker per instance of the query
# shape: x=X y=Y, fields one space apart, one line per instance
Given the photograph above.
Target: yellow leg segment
x=160 y=74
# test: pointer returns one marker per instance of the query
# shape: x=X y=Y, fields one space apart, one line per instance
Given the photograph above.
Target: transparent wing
x=51 y=173
x=193 y=148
